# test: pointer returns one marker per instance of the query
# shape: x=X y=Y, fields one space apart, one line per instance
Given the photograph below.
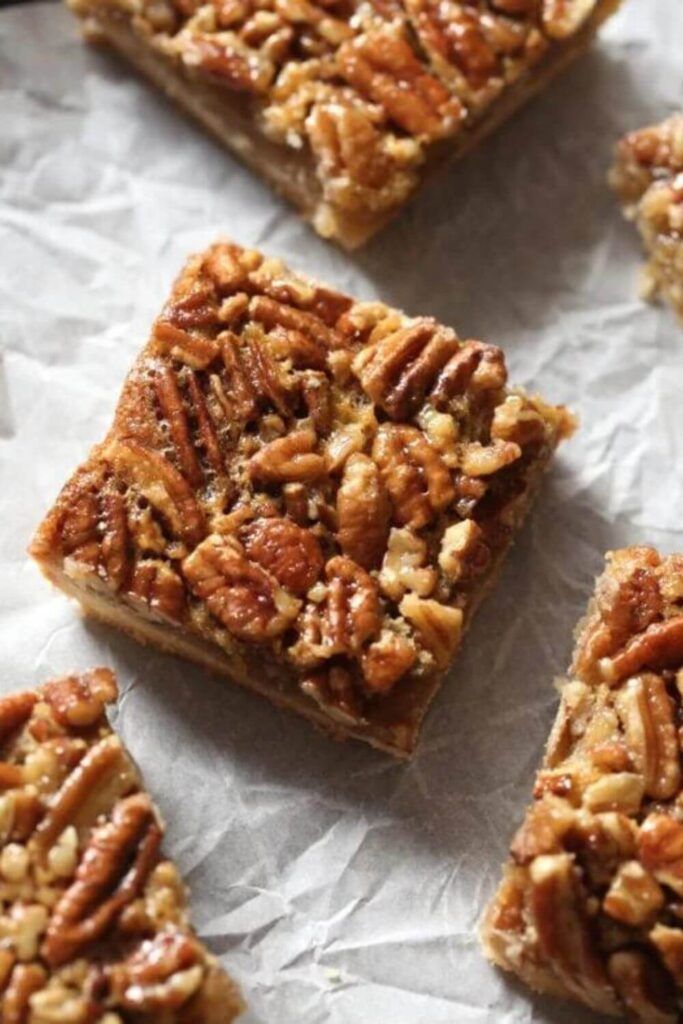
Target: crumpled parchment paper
x=336 y=885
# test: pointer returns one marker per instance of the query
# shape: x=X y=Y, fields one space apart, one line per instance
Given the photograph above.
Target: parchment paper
x=336 y=885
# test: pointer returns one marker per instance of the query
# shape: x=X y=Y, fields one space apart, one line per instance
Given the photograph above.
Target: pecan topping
x=363 y=511
x=414 y=474
x=289 y=553
x=476 y=367
x=14 y=711
x=290 y=458
x=243 y=596
x=229 y=61
x=334 y=691
x=104 y=882
x=194 y=350
x=24 y=980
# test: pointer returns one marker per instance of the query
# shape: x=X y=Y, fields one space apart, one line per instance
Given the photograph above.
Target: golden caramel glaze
x=93 y=920
x=361 y=92
x=590 y=904
x=319 y=488
x=648 y=179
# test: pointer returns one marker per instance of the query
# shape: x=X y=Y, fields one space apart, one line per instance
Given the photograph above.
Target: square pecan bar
x=306 y=493
x=93 y=920
x=591 y=905
x=344 y=105
x=648 y=178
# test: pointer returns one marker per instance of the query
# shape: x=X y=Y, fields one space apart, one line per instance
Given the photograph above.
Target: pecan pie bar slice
x=344 y=105
x=591 y=904
x=306 y=493
x=93 y=920
x=648 y=178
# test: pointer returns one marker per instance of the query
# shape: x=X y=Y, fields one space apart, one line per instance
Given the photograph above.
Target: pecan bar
x=591 y=905
x=344 y=105
x=307 y=493
x=93 y=920
x=648 y=178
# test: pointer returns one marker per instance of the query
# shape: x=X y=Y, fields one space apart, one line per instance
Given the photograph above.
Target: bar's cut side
x=591 y=904
x=307 y=493
x=93 y=920
x=648 y=178
x=343 y=105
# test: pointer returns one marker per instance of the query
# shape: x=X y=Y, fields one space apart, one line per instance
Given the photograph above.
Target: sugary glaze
x=590 y=906
x=312 y=492
x=648 y=178
x=354 y=98
x=93 y=920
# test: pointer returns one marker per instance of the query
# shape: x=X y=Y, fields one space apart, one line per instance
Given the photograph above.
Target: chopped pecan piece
x=633 y=897
x=387 y=660
x=660 y=848
x=643 y=987
x=404 y=566
x=562 y=18
x=239 y=593
x=464 y=553
x=158 y=585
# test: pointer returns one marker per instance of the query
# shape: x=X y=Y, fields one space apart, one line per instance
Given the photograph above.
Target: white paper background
x=337 y=886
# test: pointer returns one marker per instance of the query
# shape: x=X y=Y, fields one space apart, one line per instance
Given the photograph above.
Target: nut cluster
x=292 y=470
x=591 y=902
x=92 y=920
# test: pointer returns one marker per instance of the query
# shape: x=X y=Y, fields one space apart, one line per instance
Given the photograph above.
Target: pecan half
x=106 y=880
x=660 y=646
x=660 y=849
x=289 y=458
x=363 y=512
x=15 y=710
x=647 y=714
x=414 y=474
x=381 y=65
x=162 y=485
x=195 y=350
x=401 y=368
x=161 y=975
x=289 y=553
x=438 y=625
x=160 y=587
x=475 y=367
x=240 y=594
x=347 y=617
x=557 y=905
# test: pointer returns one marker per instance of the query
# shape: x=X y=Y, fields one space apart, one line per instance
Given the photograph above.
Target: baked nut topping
x=648 y=178
x=589 y=907
x=312 y=498
x=93 y=920
x=344 y=104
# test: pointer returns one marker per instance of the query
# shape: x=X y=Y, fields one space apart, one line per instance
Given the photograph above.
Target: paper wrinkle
x=337 y=886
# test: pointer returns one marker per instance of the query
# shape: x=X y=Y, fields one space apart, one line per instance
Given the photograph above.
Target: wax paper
x=336 y=885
